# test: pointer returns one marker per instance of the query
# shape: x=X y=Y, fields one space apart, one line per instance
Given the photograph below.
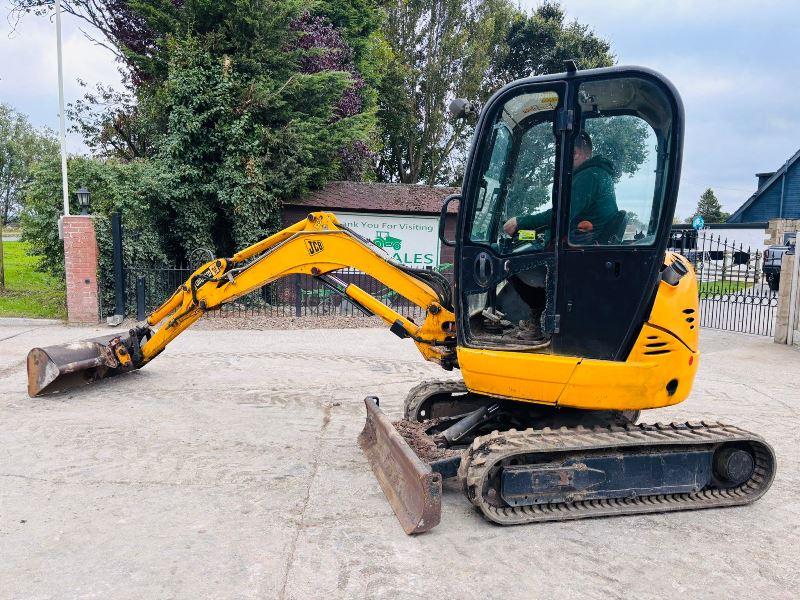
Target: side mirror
x=443 y=219
x=461 y=108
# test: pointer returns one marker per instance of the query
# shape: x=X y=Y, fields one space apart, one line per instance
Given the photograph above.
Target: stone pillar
x=80 y=265
x=782 y=324
x=776 y=229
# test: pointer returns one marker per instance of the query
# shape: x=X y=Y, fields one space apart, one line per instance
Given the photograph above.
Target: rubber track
x=487 y=451
x=425 y=389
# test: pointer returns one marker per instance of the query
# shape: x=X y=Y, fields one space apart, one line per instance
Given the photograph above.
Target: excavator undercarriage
x=527 y=463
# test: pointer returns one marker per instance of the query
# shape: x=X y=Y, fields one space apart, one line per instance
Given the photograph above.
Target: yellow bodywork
x=665 y=352
x=658 y=371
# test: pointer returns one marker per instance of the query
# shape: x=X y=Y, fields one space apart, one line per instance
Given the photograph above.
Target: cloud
x=28 y=68
x=646 y=14
x=732 y=61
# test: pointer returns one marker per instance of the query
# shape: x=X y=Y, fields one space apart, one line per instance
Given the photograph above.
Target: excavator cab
x=565 y=212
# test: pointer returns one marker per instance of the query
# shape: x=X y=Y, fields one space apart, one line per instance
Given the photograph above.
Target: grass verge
x=723 y=287
x=28 y=292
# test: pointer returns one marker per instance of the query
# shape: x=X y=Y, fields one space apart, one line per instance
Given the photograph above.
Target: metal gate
x=146 y=287
x=734 y=292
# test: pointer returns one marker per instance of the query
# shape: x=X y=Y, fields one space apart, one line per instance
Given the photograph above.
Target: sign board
x=409 y=239
x=698 y=222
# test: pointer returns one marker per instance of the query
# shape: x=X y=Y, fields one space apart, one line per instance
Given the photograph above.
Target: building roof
x=378 y=197
x=736 y=216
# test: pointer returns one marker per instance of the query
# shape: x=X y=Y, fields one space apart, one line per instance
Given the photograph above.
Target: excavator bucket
x=413 y=490
x=66 y=366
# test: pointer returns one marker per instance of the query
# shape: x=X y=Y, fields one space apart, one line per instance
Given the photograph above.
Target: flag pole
x=64 y=184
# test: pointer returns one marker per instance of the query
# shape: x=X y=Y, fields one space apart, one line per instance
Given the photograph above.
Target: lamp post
x=83 y=200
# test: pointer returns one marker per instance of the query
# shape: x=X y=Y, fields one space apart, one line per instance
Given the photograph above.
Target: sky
x=734 y=63
x=28 y=67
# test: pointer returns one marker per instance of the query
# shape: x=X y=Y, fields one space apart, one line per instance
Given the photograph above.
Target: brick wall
x=80 y=264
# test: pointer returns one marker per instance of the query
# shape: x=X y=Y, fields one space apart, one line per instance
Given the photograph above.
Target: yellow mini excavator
x=568 y=316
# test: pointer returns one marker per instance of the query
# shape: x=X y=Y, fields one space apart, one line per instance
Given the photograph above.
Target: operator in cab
x=593 y=202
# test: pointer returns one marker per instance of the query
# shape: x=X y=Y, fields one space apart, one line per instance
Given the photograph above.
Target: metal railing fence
x=734 y=292
x=145 y=288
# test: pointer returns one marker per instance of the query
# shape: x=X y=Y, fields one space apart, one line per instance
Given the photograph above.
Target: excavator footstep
x=412 y=488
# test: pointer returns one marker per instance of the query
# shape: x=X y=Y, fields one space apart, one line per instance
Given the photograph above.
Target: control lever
x=494 y=321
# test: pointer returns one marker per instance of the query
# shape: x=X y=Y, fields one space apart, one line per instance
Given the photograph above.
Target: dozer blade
x=66 y=366
x=413 y=490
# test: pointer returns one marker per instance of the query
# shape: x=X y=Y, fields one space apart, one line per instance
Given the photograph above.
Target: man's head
x=583 y=149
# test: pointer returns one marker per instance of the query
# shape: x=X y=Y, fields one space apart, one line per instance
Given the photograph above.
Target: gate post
x=119 y=273
x=788 y=299
x=794 y=292
x=140 y=299
x=80 y=267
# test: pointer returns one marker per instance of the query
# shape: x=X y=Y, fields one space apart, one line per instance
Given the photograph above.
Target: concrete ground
x=228 y=468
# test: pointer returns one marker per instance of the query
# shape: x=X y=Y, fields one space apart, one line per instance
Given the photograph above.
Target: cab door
x=507 y=281
x=617 y=209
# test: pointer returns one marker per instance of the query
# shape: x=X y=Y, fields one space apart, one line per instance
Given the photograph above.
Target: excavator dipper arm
x=316 y=246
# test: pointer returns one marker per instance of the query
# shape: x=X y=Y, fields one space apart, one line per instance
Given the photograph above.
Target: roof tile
x=378 y=197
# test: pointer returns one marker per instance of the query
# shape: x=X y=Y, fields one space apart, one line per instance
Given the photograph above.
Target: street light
x=83 y=200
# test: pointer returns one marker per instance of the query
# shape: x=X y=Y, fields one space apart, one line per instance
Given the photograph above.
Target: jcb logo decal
x=314 y=246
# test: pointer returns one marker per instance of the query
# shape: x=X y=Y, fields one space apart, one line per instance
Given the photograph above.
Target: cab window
x=616 y=194
x=517 y=175
x=489 y=189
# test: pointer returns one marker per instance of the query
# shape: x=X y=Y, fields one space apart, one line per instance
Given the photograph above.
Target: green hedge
x=131 y=188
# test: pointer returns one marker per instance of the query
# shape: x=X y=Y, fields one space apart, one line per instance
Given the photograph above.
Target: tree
x=539 y=43
x=21 y=147
x=131 y=29
x=709 y=208
x=435 y=50
x=114 y=123
x=239 y=143
x=440 y=49
x=238 y=104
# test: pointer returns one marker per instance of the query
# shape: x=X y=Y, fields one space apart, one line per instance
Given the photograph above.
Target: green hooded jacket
x=592 y=199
